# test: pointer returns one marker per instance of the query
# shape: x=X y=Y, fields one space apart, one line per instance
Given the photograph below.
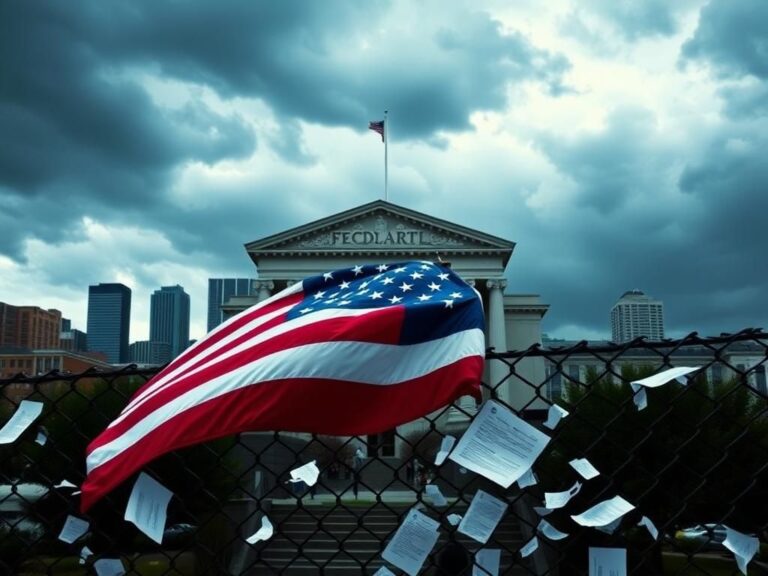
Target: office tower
x=636 y=314
x=29 y=327
x=66 y=325
x=219 y=291
x=148 y=352
x=169 y=319
x=109 y=318
x=74 y=340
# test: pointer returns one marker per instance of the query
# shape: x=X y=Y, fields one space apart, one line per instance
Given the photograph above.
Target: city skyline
x=109 y=321
x=618 y=144
x=169 y=319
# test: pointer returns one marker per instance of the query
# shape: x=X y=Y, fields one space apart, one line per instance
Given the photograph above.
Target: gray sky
x=620 y=144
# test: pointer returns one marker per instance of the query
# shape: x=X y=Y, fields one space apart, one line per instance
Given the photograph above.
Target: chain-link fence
x=692 y=461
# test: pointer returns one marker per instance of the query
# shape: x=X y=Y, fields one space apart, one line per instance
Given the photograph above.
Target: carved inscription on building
x=380 y=233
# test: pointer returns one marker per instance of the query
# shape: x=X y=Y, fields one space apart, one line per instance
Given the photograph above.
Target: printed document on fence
x=264 y=533
x=555 y=500
x=27 y=413
x=147 y=507
x=487 y=562
x=412 y=542
x=607 y=562
x=73 y=528
x=445 y=448
x=308 y=474
x=584 y=468
x=604 y=513
x=743 y=547
x=482 y=517
x=499 y=445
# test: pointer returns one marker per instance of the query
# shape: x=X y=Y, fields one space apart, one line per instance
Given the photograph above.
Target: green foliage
x=696 y=454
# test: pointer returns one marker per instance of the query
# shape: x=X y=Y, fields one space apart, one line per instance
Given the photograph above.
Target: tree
x=696 y=454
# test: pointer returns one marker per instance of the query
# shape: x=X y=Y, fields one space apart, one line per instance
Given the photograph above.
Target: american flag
x=377 y=126
x=354 y=351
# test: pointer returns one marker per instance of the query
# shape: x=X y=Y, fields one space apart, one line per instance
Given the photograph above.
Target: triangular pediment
x=380 y=227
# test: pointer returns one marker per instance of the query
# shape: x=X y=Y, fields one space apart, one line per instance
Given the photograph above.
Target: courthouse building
x=382 y=232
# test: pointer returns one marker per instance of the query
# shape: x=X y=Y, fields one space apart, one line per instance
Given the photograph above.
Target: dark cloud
x=632 y=20
x=612 y=166
x=746 y=102
x=77 y=138
x=732 y=36
x=683 y=222
x=329 y=63
x=84 y=129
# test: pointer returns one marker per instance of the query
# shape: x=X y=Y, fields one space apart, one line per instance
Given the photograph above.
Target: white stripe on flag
x=283 y=328
x=378 y=364
x=292 y=289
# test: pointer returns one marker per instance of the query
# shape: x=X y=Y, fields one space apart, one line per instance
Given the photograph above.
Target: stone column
x=497 y=335
x=264 y=289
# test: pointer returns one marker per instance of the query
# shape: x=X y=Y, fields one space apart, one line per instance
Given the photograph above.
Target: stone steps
x=336 y=541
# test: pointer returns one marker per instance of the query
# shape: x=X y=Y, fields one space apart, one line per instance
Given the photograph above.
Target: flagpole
x=386 y=140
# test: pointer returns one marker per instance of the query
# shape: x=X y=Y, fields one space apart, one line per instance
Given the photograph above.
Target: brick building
x=29 y=326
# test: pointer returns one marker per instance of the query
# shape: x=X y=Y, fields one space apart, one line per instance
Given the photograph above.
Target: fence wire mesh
x=693 y=461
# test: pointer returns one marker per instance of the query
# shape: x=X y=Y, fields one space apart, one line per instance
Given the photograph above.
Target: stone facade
x=384 y=232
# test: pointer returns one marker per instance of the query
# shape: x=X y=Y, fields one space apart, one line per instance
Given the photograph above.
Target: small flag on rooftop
x=377 y=126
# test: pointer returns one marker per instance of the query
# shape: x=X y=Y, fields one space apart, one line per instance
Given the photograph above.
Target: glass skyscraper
x=219 y=291
x=169 y=319
x=636 y=314
x=109 y=319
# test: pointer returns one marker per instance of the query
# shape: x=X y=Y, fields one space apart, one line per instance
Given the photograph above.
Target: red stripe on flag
x=296 y=405
x=378 y=326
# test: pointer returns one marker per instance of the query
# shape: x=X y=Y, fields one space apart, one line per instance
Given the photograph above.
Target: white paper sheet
x=554 y=415
x=541 y=511
x=743 y=547
x=638 y=386
x=482 y=517
x=109 y=567
x=264 y=533
x=607 y=562
x=65 y=484
x=530 y=547
x=307 y=473
x=640 y=398
x=433 y=493
x=85 y=553
x=42 y=437
x=555 y=500
x=25 y=414
x=527 y=479
x=487 y=562
x=645 y=521
x=584 y=468
x=604 y=513
x=383 y=571
x=609 y=528
x=453 y=519
x=445 y=448
x=550 y=531
x=147 y=506
x=412 y=542
x=73 y=528
x=499 y=445
x=668 y=375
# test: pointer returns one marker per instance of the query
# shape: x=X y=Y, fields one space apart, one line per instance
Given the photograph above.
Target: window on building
x=555 y=385
x=381 y=444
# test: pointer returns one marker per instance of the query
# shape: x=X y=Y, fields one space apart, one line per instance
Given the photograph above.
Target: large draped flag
x=354 y=351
